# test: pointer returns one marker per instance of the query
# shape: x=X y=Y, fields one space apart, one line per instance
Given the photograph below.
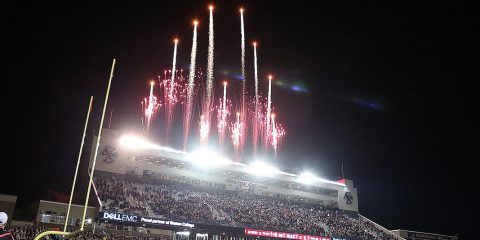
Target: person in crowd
x=4 y=235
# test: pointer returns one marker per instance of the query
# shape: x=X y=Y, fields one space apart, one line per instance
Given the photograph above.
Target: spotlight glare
x=307 y=178
x=262 y=169
x=207 y=158
x=134 y=142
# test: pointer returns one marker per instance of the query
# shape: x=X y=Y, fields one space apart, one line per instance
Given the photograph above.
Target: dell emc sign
x=120 y=217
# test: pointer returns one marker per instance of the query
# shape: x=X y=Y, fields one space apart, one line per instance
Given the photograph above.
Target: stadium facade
x=115 y=158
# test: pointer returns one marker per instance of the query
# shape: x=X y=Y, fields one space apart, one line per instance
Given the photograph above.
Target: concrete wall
x=7 y=205
x=342 y=199
x=111 y=157
x=54 y=212
x=414 y=235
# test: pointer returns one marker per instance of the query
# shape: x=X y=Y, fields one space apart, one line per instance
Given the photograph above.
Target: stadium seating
x=162 y=198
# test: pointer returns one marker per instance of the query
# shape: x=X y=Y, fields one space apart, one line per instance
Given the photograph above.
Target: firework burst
x=223 y=111
x=236 y=131
x=150 y=108
x=196 y=95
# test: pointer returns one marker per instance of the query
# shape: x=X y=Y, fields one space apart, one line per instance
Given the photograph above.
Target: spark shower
x=237 y=118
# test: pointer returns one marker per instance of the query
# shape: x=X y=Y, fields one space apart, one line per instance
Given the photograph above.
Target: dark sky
x=384 y=92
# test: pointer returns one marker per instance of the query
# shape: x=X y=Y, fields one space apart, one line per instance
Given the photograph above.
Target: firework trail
x=256 y=72
x=236 y=129
x=206 y=119
x=173 y=93
x=268 y=113
x=222 y=115
x=150 y=108
x=170 y=98
x=191 y=78
x=256 y=118
x=244 y=82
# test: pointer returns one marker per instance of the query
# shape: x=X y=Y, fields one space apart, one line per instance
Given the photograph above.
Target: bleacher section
x=163 y=198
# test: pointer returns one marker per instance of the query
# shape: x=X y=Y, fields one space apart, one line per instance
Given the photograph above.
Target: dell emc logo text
x=120 y=217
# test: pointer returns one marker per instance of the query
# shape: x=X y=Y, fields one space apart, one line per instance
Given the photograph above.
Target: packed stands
x=166 y=199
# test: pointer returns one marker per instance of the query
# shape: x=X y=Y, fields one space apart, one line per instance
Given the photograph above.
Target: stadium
x=146 y=191
x=203 y=193
x=155 y=192
x=199 y=165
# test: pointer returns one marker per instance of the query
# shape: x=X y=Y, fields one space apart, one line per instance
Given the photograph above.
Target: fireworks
x=268 y=113
x=223 y=111
x=236 y=129
x=150 y=108
x=196 y=95
x=170 y=97
x=256 y=118
x=244 y=81
x=205 y=121
x=187 y=116
x=276 y=135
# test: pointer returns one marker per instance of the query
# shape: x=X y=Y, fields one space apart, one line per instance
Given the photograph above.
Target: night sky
x=377 y=88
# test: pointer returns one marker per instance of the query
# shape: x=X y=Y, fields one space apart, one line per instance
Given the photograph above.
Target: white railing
x=381 y=228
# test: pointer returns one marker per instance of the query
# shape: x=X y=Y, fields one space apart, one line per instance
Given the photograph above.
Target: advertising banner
x=272 y=234
x=120 y=217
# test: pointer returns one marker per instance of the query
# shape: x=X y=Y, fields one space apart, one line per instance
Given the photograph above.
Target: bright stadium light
x=207 y=158
x=134 y=142
x=307 y=178
x=262 y=169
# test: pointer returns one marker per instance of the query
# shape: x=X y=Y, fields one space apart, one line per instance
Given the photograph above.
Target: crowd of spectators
x=166 y=199
x=26 y=232
x=29 y=232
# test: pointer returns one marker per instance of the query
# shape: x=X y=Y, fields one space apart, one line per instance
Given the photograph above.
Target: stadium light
x=134 y=142
x=262 y=169
x=207 y=158
x=307 y=178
